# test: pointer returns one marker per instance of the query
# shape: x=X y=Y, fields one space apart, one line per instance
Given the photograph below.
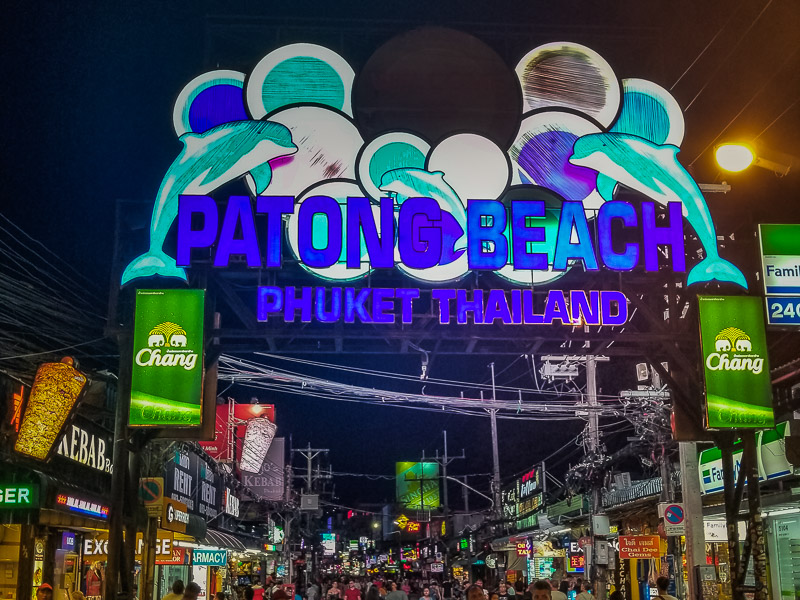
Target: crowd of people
x=417 y=589
x=573 y=588
x=387 y=589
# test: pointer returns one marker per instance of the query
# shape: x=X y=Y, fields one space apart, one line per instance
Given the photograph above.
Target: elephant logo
x=722 y=345
x=732 y=338
x=167 y=334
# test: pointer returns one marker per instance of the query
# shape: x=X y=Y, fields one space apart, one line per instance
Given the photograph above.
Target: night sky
x=87 y=106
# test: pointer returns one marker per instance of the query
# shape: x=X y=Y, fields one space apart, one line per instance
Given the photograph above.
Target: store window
x=784 y=551
x=9 y=561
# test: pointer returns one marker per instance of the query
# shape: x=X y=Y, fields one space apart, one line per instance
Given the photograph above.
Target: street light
x=736 y=157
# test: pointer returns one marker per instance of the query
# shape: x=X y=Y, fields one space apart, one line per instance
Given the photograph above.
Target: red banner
x=178 y=557
x=639 y=546
x=221 y=448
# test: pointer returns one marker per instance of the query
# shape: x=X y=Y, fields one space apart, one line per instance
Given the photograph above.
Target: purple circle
x=216 y=105
x=545 y=159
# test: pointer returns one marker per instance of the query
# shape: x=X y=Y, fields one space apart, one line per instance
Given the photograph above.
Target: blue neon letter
x=274 y=207
x=189 y=238
x=572 y=215
x=239 y=211
x=608 y=212
x=486 y=222
x=319 y=257
x=380 y=250
x=671 y=235
x=420 y=241
x=521 y=234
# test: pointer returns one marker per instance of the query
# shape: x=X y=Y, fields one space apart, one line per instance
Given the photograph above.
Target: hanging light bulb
x=258 y=437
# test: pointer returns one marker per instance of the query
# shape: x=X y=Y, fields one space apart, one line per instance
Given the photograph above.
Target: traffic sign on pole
x=674 y=519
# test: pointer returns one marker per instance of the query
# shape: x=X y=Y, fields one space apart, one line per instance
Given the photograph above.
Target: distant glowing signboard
x=780 y=266
x=229 y=428
x=76 y=504
x=734 y=351
x=342 y=206
x=329 y=544
x=55 y=392
x=770 y=452
x=19 y=496
x=417 y=484
x=167 y=377
x=639 y=546
x=576 y=560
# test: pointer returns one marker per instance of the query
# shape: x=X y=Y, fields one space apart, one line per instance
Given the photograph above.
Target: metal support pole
x=309 y=466
x=119 y=476
x=755 y=526
x=600 y=574
x=693 y=509
x=444 y=474
x=149 y=560
x=495 y=454
x=732 y=504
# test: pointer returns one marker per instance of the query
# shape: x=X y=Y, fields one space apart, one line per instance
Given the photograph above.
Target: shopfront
x=780 y=500
x=783 y=545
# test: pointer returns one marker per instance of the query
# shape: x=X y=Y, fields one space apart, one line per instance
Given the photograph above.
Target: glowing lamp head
x=734 y=157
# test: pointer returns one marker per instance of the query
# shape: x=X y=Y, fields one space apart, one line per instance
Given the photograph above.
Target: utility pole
x=594 y=449
x=693 y=507
x=495 y=454
x=445 y=461
x=310 y=454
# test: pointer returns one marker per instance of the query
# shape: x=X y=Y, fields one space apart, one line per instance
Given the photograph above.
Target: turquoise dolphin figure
x=208 y=161
x=654 y=171
x=410 y=182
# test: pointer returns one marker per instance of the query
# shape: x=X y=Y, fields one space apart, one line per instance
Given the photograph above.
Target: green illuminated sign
x=417 y=484
x=167 y=379
x=734 y=346
x=18 y=495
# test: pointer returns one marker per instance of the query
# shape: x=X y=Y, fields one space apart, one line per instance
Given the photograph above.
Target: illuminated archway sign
x=344 y=206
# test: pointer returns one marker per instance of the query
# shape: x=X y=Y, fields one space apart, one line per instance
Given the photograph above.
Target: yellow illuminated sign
x=55 y=391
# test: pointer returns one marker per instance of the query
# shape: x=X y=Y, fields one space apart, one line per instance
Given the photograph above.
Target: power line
x=776 y=119
x=727 y=56
x=708 y=45
x=749 y=102
x=415 y=379
x=53 y=351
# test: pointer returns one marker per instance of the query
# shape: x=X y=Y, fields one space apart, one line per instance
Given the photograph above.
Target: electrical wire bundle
x=47 y=307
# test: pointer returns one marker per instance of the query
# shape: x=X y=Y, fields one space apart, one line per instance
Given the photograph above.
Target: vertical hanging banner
x=56 y=390
x=167 y=379
x=734 y=345
x=268 y=482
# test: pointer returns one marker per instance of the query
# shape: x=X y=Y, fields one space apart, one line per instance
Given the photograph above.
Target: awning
x=221 y=539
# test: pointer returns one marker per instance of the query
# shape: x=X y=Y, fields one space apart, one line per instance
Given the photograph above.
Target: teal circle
x=643 y=115
x=302 y=79
x=394 y=155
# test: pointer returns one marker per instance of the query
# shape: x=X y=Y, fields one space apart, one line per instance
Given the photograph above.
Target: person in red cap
x=44 y=592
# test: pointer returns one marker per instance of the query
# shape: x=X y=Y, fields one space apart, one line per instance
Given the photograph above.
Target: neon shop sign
x=347 y=206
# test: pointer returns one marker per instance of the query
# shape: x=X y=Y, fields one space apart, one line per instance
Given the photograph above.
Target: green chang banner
x=734 y=345
x=417 y=485
x=167 y=380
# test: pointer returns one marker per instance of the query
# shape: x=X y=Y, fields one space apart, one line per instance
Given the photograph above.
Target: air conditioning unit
x=309 y=502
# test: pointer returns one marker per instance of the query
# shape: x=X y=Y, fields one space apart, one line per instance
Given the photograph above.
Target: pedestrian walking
x=662 y=583
x=176 y=593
